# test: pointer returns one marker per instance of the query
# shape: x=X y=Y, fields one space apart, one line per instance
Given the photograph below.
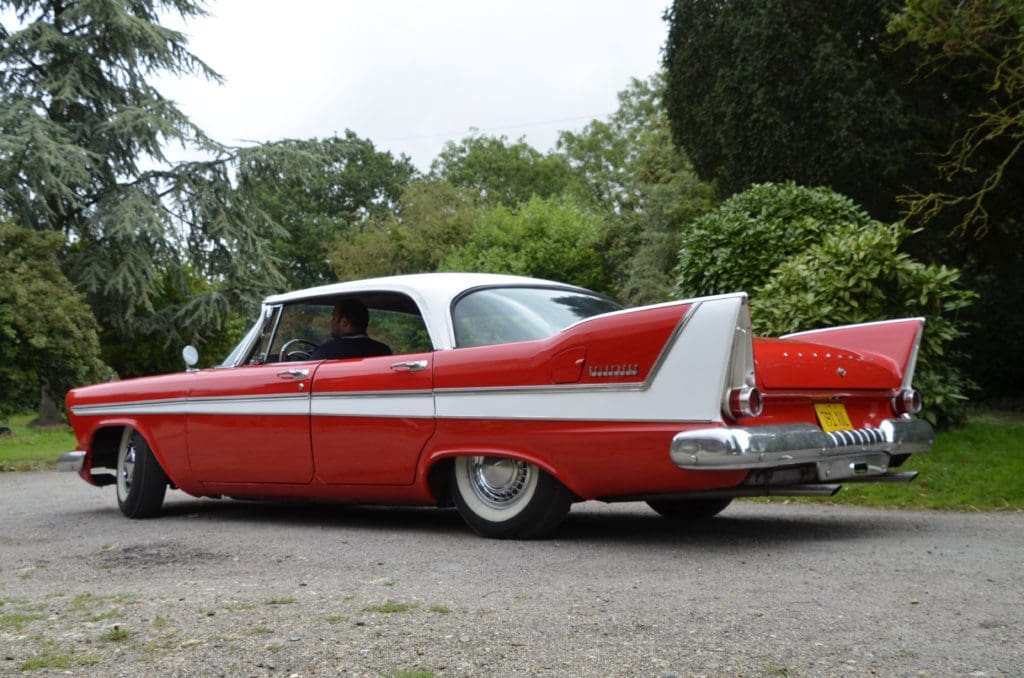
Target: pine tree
x=82 y=138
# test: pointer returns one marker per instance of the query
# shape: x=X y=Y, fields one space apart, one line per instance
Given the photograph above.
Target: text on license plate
x=833 y=417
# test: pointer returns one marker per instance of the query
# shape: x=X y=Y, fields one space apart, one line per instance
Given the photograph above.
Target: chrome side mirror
x=191 y=356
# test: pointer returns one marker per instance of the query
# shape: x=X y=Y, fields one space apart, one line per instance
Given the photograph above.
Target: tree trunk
x=49 y=413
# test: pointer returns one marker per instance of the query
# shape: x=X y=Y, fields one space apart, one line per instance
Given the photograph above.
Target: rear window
x=502 y=315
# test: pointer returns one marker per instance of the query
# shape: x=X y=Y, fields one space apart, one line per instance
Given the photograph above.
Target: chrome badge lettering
x=614 y=370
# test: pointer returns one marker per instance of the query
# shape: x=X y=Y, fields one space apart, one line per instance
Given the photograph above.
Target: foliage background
x=776 y=153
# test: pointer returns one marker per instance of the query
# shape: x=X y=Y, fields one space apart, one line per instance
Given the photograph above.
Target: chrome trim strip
x=561 y=389
x=260 y=404
x=846 y=327
x=831 y=395
x=790 y=444
x=71 y=461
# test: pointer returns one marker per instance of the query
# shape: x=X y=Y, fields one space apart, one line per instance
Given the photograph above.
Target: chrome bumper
x=71 y=461
x=838 y=455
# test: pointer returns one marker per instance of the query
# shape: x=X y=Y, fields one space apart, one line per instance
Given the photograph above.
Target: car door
x=250 y=424
x=372 y=416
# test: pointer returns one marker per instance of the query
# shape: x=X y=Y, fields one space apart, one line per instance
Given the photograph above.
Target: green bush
x=736 y=246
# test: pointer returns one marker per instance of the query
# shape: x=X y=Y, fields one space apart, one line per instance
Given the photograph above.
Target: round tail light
x=907 y=401
x=745 y=402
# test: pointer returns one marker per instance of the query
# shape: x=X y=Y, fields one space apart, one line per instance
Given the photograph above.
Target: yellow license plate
x=833 y=417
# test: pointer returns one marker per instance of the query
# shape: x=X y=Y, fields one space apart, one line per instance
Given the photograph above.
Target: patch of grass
x=18 y=620
x=115 y=635
x=978 y=466
x=261 y=631
x=410 y=673
x=239 y=607
x=440 y=609
x=53 y=659
x=391 y=607
x=337 y=618
x=160 y=623
x=30 y=448
x=975 y=467
x=103 y=616
x=281 y=601
x=773 y=669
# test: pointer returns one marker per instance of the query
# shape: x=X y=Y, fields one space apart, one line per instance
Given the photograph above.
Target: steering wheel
x=286 y=355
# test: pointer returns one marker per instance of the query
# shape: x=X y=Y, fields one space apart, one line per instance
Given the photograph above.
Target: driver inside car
x=348 y=334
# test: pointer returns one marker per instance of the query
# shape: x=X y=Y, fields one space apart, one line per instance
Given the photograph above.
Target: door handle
x=293 y=374
x=410 y=366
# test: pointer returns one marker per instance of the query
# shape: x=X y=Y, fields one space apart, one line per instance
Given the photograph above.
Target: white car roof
x=431 y=287
x=432 y=292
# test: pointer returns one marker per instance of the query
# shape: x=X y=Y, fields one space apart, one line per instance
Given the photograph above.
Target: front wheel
x=690 y=509
x=141 y=483
x=506 y=498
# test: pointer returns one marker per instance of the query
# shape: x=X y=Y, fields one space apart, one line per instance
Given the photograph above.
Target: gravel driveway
x=247 y=589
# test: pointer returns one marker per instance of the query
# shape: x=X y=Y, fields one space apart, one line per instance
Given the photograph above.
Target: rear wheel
x=506 y=498
x=690 y=509
x=141 y=483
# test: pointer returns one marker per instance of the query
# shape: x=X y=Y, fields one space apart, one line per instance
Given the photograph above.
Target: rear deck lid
x=790 y=364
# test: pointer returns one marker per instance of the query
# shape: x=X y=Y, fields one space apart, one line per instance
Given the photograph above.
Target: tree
x=776 y=90
x=82 y=133
x=503 y=173
x=982 y=41
x=431 y=220
x=979 y=196
x=736 y=246
x=47 y=333
x=644 y=185
x=320 y=190
x=546 y=238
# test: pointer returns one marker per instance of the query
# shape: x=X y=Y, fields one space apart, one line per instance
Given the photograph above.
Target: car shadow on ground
x=765 y=524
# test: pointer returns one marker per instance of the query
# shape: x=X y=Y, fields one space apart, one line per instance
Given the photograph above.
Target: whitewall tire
x=505 y=498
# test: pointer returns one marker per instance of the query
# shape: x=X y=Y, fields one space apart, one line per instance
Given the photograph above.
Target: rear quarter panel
x=597 y=433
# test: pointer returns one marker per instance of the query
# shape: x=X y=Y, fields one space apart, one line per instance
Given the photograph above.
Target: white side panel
x=402 y=405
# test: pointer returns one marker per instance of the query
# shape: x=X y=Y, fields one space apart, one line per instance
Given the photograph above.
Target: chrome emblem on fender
x=614 y=370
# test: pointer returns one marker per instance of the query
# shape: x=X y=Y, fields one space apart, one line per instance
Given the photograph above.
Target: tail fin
x=898 y=340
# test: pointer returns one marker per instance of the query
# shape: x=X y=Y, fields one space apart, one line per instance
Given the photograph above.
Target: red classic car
x=511 y=398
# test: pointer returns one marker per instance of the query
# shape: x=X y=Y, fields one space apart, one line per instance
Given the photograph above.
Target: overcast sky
x=410 y=75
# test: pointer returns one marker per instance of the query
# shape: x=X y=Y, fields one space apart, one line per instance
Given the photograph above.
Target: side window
x=402 y=332
x=394 y=320
x=303 y=326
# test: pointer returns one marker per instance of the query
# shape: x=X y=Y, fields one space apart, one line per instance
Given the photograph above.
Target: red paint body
x=291 y=451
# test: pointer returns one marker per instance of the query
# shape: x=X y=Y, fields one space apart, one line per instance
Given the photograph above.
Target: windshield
x=507 y=314
x=240 y=351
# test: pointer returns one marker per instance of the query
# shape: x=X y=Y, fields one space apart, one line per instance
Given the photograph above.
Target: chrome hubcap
x=126 y=470
x=498 y=482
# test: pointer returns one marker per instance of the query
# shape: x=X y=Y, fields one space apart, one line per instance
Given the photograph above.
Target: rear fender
x=438 y=456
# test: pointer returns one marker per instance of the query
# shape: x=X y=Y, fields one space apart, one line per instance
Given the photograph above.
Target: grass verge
x=29 y=449
x=977 y=467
